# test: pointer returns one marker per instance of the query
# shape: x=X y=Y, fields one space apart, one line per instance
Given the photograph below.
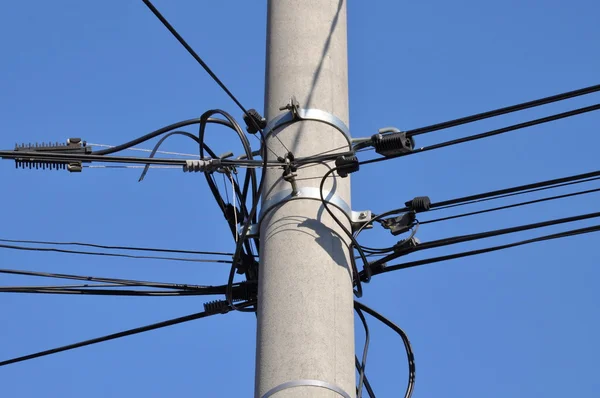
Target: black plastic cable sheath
x=503 y=111
x=363 y=363
x=491 y=133
x=124 y=282
x=132 y=248
x=409 y=352
x=483 y=235
x=156 y=133
x=47 y=249
x=512 y=206
x=113 y=336
x=416 y=263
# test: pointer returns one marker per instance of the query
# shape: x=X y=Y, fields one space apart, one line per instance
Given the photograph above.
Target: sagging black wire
x=405 y=341
x=363 y=362
x=117 y=281
x=512 y=206
x=47 y=249
x=158 y=132
x=354 y=243
x=148 y=249
x=105 y=292
x=482 y=235
x=503 y=111
x=385 y=268
x=491 y=133
x=113 y=336
x=366 y=379
x=506 y=192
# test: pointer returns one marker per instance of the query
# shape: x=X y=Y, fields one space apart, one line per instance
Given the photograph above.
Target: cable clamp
x=392 y=142
x=202 y=165
x=296 y=114
x=346 y=165
x=357 y=218
x=400 y=224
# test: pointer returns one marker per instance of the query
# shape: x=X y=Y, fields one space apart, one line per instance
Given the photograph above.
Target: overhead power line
x=511 y=206
x=124 y=282
x=491 y=133
x=132 y=248
x=503 y=111
x=113 y=336
x=573 y=232
x=482 y=235
x=47 y=249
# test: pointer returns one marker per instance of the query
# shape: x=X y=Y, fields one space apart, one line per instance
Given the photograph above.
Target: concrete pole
x=305 y=301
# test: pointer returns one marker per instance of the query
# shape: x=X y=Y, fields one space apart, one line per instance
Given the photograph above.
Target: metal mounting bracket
x=296 y=114
x=357 y=218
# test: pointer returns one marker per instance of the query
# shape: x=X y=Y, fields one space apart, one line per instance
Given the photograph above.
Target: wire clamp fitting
x=357 y=218
x=296 y=114
x=289 y=171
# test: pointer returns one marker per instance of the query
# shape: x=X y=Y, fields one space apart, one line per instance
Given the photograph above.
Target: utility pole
x=305 y=341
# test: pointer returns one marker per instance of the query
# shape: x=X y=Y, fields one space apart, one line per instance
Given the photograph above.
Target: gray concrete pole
x=305 y=340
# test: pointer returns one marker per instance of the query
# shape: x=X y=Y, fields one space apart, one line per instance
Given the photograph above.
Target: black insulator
x=392 y=144
x=419 y=204
x=254 y=121
x=216 y=307
x=346 y=165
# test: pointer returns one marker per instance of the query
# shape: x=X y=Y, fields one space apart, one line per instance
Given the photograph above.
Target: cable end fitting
x=419 y=204
x=346 y=165
x=254 y=121
x=400 y=224
x=392 y=142
x=217 y=307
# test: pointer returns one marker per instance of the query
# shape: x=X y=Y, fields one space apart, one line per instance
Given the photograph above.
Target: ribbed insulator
x=392 y=144
x=420 y=203
x=216 y=307
x=39 y=164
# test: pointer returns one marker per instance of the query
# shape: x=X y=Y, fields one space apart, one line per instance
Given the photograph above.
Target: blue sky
x=521 y=321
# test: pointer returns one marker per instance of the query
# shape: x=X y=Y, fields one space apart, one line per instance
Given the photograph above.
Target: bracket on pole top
x=292 y=106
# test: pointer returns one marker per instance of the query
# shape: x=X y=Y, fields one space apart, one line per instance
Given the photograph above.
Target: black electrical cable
x=107 y=292
x=191 y=51
x=512 y=206
x=491 y=133
x=244 y=233
x=148 y=249
x=66 y=157
x=243 y=196
x=366 y=380
x=156 y=133
x=403 y=336
x=354 y=242
x=416 y=263
x=505 y=192
x=363 y=363
x=482 y=235
x=47 y=249
x=113 y=336
x=503 y=111
x=124 y=282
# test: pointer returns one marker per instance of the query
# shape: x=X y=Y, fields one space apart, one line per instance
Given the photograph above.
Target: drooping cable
x=573 y=232
x=354 y=242
x=113 y=336
x=366 y=379
x=505 y=192
x=529 y=202
x=363 y=362
x=89 y=253
x=491 y=133
x=405 y=341
x=503 y=111
x=132 y=248
x=482 y=235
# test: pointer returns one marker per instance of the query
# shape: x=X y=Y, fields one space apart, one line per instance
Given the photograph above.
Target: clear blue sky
x=521 y=322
